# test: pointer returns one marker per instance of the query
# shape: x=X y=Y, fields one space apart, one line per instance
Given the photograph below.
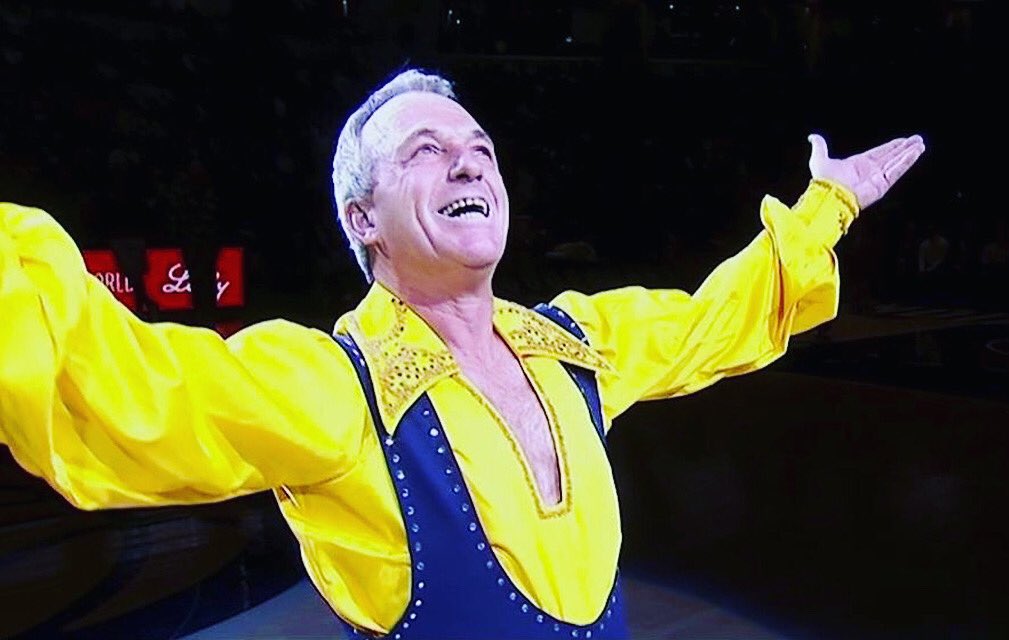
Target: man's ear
x=360 y=222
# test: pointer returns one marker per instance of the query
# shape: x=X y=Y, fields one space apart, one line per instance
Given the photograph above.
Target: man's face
x=439 y=208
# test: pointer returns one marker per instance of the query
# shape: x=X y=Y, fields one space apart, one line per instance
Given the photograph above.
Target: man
x=442 y=460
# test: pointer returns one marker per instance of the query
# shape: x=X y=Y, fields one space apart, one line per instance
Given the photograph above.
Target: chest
x=510 y=393
x=513 y=396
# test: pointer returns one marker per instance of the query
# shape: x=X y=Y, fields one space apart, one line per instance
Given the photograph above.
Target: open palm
x=870 y=174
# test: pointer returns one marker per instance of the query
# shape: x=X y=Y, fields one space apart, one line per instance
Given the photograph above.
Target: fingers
x=896 y=167
x=819 y=147
x=883 y=150
x=891 y=171
x=895 y=148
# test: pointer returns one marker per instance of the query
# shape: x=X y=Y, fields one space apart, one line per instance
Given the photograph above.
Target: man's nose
x=465 y=167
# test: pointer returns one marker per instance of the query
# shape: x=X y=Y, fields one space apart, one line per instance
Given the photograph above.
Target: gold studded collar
x=406 y=357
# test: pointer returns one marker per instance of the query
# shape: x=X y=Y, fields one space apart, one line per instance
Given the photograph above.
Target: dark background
x=854 y=490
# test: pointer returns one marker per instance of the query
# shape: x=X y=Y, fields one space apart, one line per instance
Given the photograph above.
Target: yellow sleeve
x=665 y=343
x=115 y=412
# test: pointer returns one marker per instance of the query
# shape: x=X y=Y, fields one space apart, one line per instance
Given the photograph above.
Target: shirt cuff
x=828 y=209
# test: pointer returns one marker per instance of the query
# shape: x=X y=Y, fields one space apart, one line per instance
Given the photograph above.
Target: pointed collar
x=406 y=357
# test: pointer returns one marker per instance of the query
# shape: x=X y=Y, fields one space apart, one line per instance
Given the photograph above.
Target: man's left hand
x=869 y=175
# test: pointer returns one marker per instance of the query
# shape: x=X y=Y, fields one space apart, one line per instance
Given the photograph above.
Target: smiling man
x=441 y=457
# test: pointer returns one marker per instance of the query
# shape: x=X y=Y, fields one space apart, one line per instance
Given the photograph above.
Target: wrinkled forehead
x=407 y=113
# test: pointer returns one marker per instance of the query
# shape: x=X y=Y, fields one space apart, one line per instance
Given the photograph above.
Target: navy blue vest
x=459 y=590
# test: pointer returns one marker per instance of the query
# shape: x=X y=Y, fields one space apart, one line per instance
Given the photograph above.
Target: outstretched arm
x=664 y=343
x=115 y=412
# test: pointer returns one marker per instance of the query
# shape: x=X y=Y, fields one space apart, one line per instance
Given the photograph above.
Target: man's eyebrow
x=482 y=135
x=478 y=134
x=419 y=133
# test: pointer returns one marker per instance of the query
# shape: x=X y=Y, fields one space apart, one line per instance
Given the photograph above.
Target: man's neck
x=464 y=319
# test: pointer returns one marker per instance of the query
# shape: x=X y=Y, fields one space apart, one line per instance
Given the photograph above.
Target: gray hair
x=353 y=165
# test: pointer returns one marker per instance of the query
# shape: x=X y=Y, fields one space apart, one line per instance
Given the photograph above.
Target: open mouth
x=466 y=208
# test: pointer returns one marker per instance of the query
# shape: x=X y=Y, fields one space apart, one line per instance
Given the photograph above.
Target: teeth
x=451 y=208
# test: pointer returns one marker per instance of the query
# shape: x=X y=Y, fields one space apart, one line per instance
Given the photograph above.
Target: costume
x=116 y=412
x=451 y=556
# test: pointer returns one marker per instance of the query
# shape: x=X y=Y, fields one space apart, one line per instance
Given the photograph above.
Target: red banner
x=167 y=280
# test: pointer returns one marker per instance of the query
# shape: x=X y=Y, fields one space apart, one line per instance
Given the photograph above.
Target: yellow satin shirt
x=115 y=412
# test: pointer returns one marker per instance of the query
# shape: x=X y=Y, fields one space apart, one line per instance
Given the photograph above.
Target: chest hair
x=506 y=387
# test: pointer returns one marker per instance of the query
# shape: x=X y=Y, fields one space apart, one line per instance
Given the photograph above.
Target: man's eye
x=426 y=149
x=485 y=151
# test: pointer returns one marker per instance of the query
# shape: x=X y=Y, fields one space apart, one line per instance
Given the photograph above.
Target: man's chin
x=482 y=263
x=469 y=271
x=483 y=259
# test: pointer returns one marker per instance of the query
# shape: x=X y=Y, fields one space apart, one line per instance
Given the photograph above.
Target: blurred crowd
x=636 y=138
